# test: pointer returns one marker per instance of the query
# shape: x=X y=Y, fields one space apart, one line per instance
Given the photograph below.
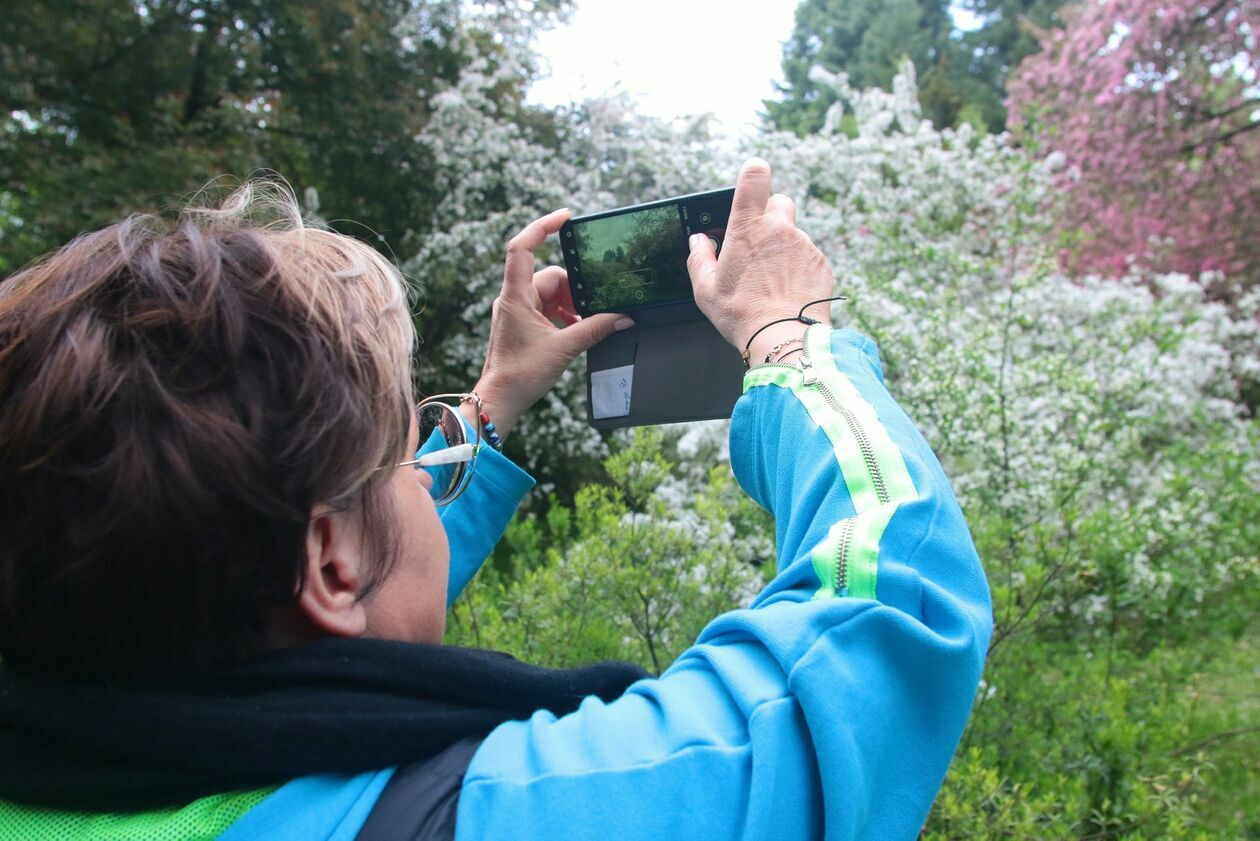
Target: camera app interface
x=634 y=259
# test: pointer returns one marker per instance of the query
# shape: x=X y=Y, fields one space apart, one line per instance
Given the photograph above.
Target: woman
x=223 y=583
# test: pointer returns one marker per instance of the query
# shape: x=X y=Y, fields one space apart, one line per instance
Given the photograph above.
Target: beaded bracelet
x=492 y=437
x=487 y=428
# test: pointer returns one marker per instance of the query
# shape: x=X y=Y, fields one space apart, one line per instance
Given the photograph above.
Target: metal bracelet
x=780 y=346
x=789 y=353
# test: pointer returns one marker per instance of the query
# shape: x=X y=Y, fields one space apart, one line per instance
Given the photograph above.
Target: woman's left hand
x=528 y=352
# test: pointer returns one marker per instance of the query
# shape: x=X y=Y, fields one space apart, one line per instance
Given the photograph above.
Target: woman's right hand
x=768 y=270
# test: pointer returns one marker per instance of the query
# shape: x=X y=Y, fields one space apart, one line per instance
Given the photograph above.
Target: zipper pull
x=808 y=375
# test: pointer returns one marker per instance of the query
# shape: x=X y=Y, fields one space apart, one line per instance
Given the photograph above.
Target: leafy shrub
x=633 y=571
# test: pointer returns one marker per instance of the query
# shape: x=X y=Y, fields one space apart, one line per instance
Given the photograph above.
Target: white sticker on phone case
x=610 y=392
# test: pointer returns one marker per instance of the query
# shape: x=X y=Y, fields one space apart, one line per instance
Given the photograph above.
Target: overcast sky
x=673 y=57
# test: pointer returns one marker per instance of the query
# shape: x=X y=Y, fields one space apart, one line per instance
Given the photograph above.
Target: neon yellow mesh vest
x=202 y=819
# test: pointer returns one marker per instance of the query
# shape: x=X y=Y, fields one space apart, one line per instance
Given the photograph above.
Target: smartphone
x=635 y=258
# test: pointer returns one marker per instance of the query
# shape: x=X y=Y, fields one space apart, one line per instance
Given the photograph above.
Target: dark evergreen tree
x=961 y=74
x=864 y=38
x=990 y=53
x=108 y=106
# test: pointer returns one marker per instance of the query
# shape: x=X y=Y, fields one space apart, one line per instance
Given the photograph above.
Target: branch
x=1242 y=106
x=1183 y=27
x=159 y=25
x=647 y=629
x=1006 y=631
x=1228 y=734
x=1212 y=12
x=1224 y=138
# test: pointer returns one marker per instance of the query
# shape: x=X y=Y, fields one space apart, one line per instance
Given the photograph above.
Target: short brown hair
x=174 y=400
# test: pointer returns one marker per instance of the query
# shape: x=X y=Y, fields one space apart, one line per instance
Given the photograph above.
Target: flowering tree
x=497 y=174
x=1155 y=108
x=1093 y=429
x=1042 y=392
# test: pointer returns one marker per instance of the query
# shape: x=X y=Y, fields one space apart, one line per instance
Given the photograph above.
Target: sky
x=674 y=57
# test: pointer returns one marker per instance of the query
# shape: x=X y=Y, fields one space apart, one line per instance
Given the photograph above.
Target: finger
x=781 y=205
x=552 y=286
x=518 y=269
x=701 y=263
x=752 y=191
x=592 y=330
x=555 y=296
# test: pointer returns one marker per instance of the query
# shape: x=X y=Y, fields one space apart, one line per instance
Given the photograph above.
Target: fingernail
x=623 y=323
x=561 y=210
x=695 y=241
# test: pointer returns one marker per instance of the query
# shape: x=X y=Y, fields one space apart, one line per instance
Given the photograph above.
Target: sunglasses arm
x=450 y=455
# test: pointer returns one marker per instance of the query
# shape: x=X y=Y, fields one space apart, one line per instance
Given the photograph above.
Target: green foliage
x=1102 y=743
x=633 y=571
x=10 y=227
x=114 y=106
x=978 y=802
x=1120 y=688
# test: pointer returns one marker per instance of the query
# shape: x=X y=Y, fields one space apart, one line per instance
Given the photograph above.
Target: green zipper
x=846 y=560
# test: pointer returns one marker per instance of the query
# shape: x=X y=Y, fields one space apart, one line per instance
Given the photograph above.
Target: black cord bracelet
x=800 y=316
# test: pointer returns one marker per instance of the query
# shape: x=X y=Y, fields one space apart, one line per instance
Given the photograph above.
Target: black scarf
x=331 y=706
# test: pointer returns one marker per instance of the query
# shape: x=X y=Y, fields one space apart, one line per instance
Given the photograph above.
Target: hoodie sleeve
x=828 y=708
x=476 y=519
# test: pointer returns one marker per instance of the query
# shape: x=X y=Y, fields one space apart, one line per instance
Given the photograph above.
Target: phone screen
x=634 y=259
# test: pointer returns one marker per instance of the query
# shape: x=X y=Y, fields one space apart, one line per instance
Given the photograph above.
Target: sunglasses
x=445 y=452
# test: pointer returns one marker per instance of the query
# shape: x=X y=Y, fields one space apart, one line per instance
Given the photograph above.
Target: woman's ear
x=335 y=566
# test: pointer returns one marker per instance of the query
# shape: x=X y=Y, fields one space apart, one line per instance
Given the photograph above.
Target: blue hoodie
x=829 y=708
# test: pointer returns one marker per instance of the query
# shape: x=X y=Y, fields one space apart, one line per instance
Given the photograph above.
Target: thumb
x=592 y=330
x=701 y=263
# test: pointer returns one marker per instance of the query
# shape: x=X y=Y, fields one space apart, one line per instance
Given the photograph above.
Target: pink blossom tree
x=1153 y=106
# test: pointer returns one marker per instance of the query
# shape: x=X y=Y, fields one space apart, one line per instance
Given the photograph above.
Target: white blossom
x=1050 y=399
